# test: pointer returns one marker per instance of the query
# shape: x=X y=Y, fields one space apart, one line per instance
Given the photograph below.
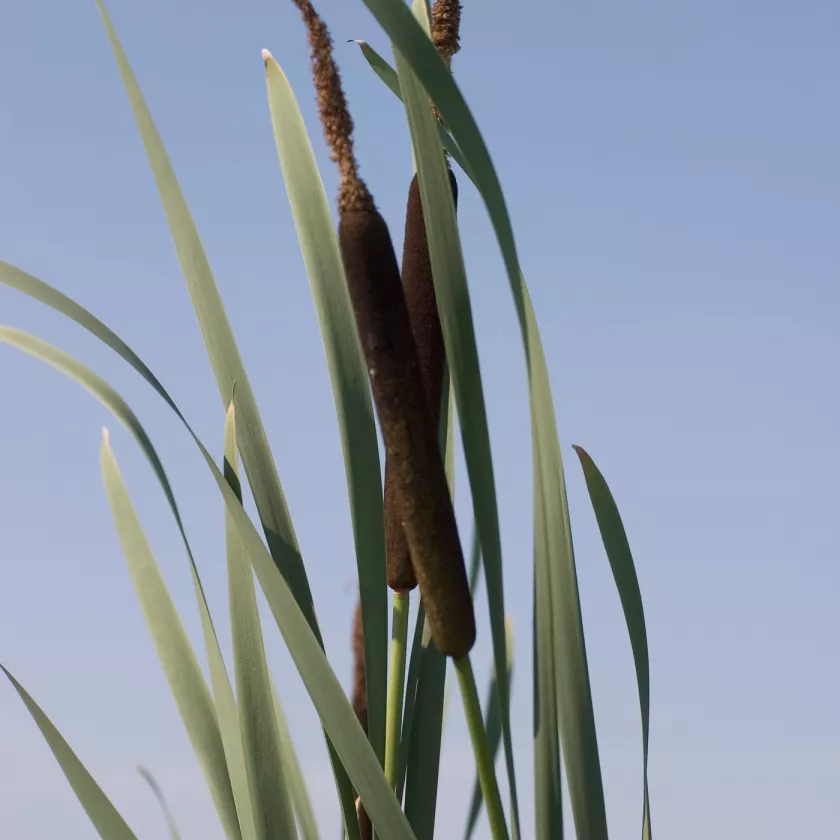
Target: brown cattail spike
x=411 y=439
x=359 y=672
x=384 y=329
x=446 y=27
x=420 y=299
x=353 y=193
x=359 y=698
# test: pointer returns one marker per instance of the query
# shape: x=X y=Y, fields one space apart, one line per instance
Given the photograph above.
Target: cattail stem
x=481 y=748
x=396 y=685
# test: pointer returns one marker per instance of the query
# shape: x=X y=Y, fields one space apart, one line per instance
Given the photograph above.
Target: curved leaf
x=617 y=547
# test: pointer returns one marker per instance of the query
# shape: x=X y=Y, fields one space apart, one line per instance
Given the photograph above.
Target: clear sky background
x=673 y=175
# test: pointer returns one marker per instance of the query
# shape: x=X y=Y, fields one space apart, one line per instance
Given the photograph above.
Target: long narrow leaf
x=548 y=794
x=456 y=320
x=624 y=571
x=104 y=816
x=173 y=647
x=351 y=746
x=273 y=816
x=348 y=374
x=220 y=342
x=575 y=715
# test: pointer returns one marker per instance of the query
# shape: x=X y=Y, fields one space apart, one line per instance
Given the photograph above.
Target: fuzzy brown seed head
x=353 y=193
x=359 y=672
x=446 y=27
x=411 y=439
x=421 y=302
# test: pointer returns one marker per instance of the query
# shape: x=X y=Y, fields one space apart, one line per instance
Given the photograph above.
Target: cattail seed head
x=411 y=440
x=359 y=699
x=421 y=302
x=384 y=329
x=359 y=673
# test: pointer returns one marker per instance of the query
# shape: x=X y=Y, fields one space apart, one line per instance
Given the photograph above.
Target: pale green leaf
x=173 y=647
x=272 y=809
x=219 y=340
x=348 y=374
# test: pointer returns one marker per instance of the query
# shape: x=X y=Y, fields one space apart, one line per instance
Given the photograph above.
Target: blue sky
x=673 y=178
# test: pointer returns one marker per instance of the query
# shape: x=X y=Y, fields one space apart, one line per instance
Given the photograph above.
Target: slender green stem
x=396 y=685
x=481 y=748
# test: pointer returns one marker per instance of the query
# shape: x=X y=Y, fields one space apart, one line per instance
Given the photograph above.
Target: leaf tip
x=266 y=57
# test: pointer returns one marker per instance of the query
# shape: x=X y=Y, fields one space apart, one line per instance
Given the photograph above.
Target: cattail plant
x=384 y=328
x=386 y=335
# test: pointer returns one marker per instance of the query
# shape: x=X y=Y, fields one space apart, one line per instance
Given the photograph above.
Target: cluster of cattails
x=397 y=321
x=405 y=367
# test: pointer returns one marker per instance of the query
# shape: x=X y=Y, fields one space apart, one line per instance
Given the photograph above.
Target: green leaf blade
x=173 y=647
x=272 y=809
x=348 y=375
x=617 y=547
x=220 y=343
